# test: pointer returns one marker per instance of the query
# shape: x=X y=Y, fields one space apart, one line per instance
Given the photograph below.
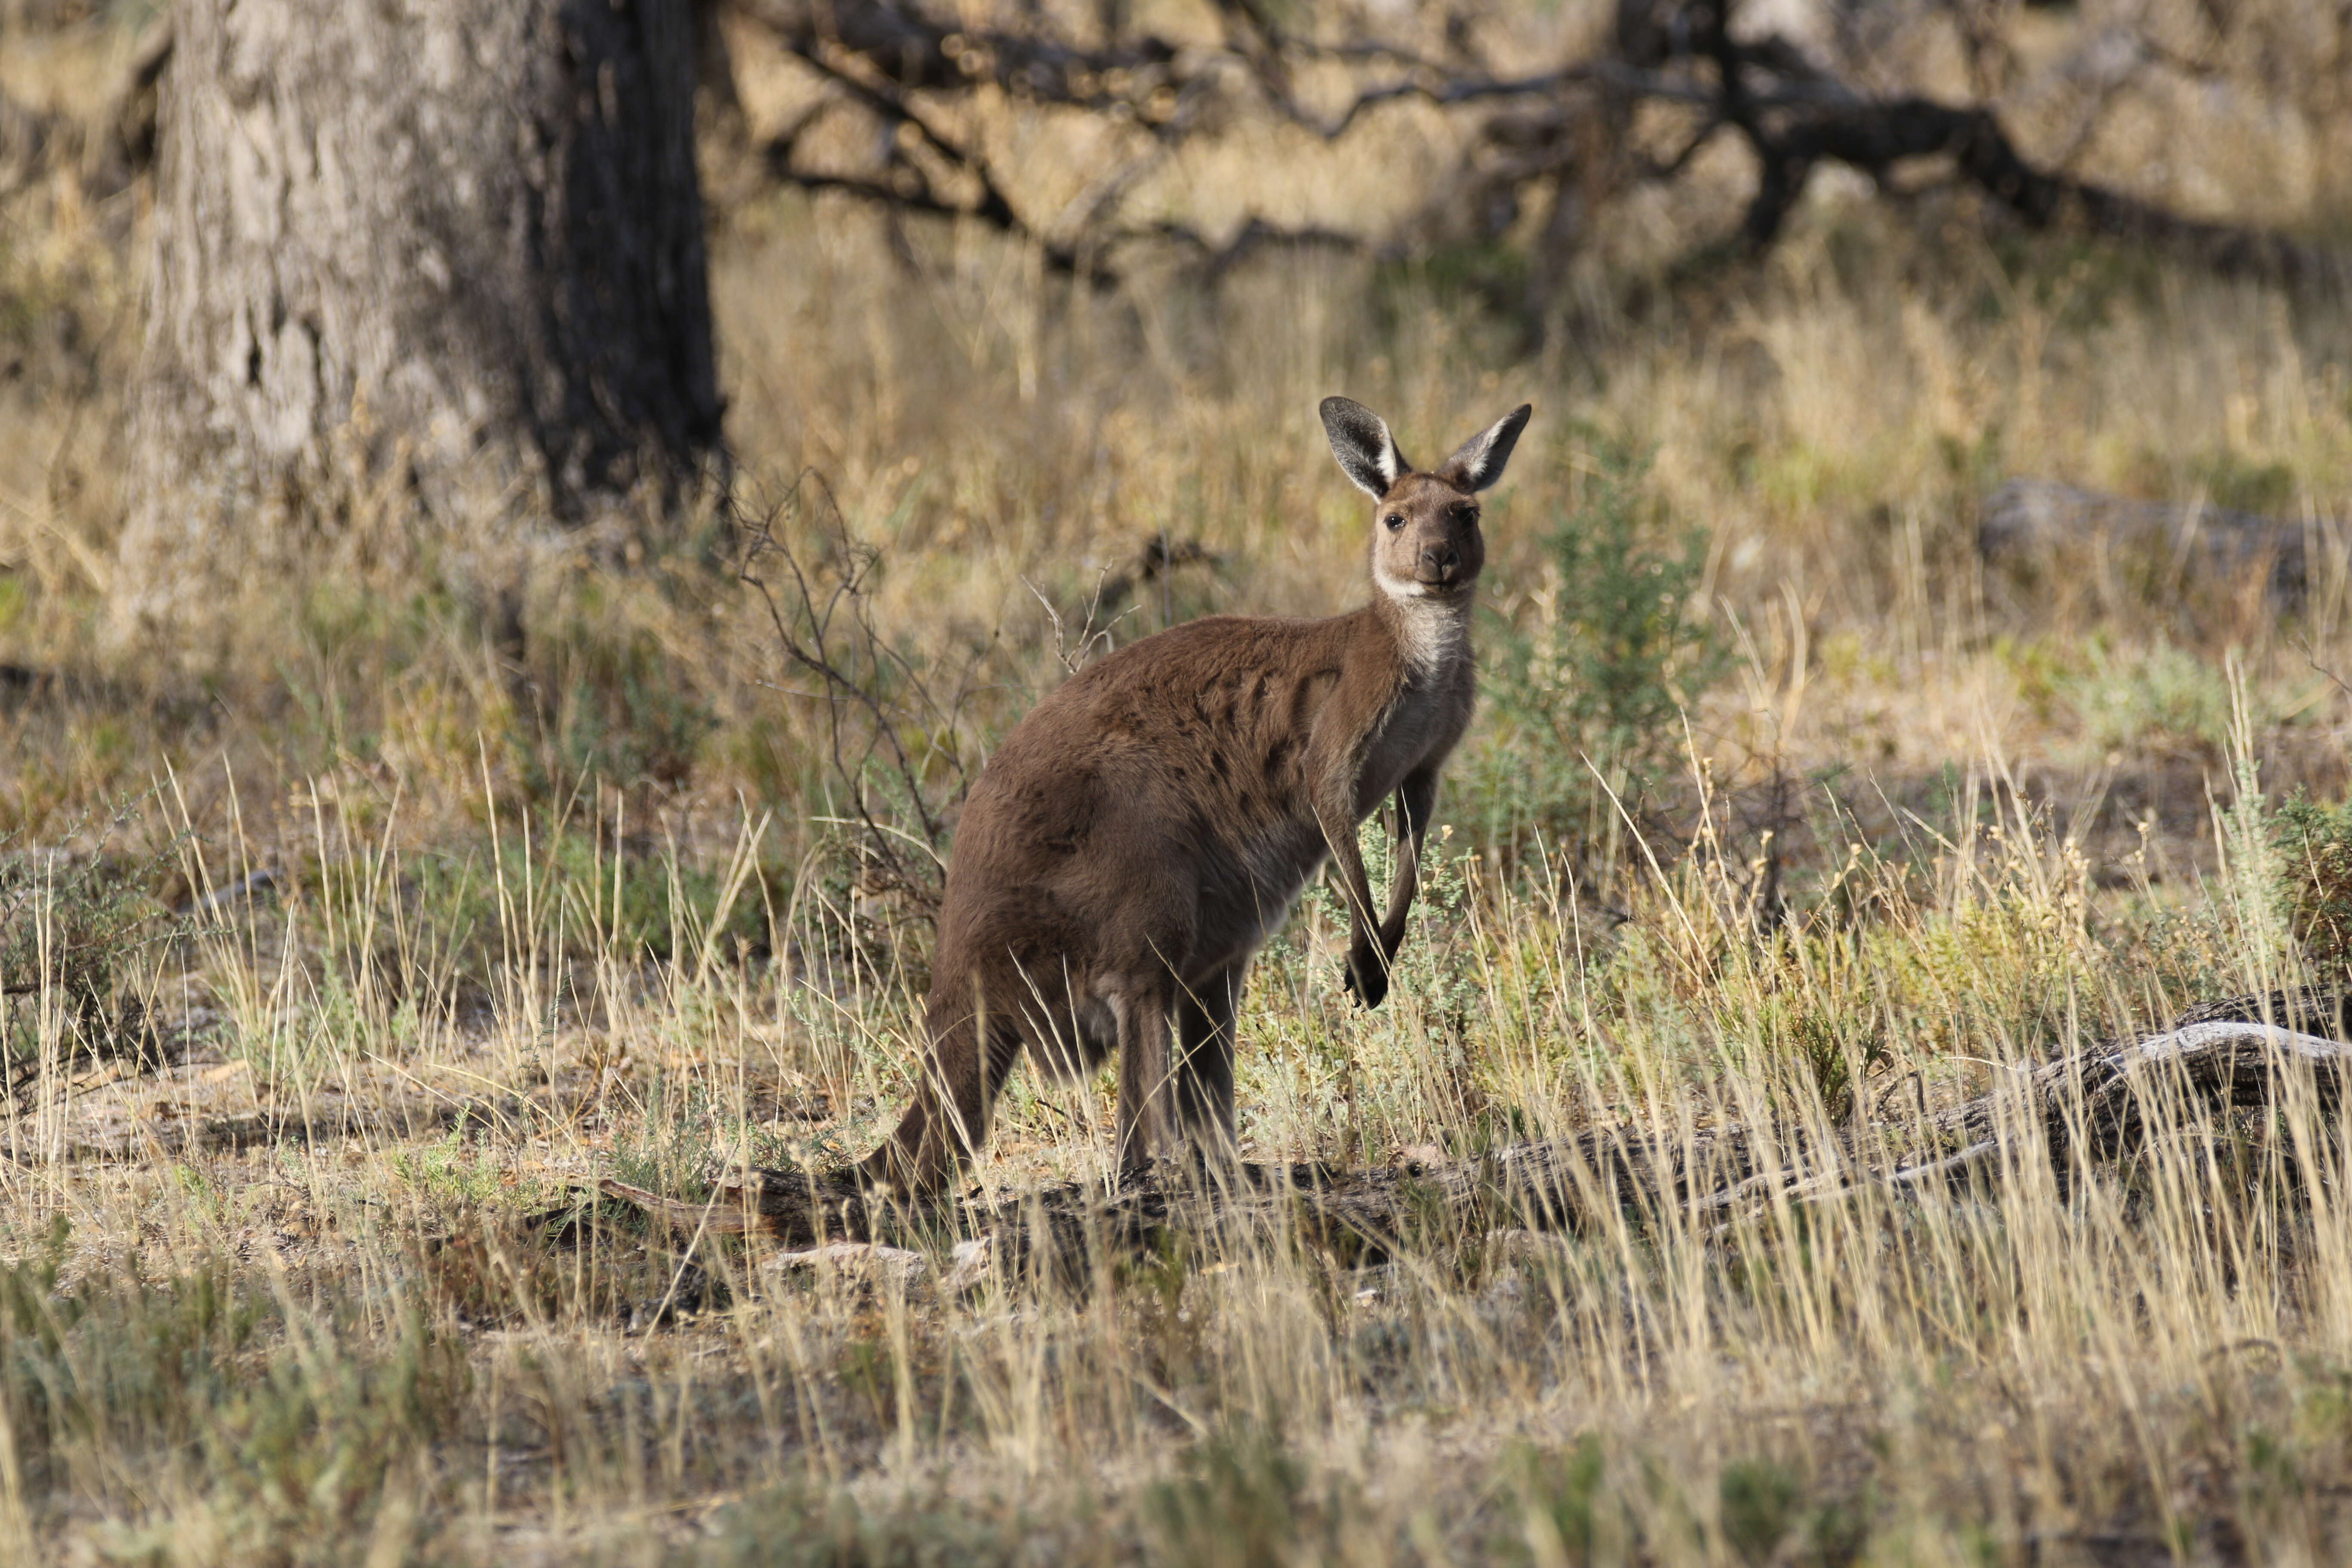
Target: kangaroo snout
x=1439 y=563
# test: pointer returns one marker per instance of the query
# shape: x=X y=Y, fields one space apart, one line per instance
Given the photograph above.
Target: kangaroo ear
x=1480 y=461
x=1362 y=444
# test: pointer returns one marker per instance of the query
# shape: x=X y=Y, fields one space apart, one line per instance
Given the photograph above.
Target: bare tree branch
x=1793 y=113
x=920 y=55
x=890 y=728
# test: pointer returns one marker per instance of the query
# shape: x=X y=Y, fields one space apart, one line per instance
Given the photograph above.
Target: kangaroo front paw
x=1367 y=978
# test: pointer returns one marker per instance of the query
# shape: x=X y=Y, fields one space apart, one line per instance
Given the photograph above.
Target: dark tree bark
x=407 y=255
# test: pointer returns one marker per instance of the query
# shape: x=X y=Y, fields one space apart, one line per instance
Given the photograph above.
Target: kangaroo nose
x=1442 y=561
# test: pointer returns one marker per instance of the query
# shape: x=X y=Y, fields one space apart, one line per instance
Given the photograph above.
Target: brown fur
x=1152 y=822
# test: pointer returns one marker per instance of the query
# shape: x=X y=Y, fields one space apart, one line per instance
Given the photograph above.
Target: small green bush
x=71 y=925
x=1759 y=1500
x=2314 y=860
x=1591 y=686
x=2156 y=698
x=2236 y=482
x=802 y=1526
x=1241 y=1498
x=1561 y=1494
x=667 y=1150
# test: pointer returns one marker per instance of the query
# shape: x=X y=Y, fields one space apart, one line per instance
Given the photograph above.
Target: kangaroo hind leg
x=965 y=1063
x=1204 y=1060
x=1147 y=1119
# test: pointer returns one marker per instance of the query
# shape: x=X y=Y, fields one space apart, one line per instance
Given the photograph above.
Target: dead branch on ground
x=2086 y=1108
x=2039 y=521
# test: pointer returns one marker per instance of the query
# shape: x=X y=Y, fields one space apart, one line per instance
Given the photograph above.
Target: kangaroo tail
x=948 y=1121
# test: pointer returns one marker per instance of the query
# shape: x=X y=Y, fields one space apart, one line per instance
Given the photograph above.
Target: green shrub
x=1591 y=686
x=2159 y=699
x=69 y=926
x=1562 y=1495
x=1759 y=1502
x=1241 y=1499
x=2313 y=846
x=2236 y=482
x=801 y=1526
x=667 y=1150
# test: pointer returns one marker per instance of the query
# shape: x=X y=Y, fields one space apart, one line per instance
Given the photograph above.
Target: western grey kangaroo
x=1150 y=824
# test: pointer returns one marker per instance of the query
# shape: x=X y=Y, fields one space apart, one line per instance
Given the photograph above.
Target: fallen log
x=2082 y=1109
x=2094 y=1104
x=2040 y=521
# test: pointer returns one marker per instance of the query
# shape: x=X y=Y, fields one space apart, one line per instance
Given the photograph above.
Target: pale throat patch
x=1436 y=627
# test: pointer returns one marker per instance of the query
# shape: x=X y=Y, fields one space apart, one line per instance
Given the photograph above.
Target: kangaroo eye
x=1395 y=521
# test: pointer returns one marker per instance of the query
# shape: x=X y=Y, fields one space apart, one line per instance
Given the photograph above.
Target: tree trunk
x=413 y=262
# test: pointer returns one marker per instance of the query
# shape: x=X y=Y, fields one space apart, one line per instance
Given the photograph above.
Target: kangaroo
x=1152 y=822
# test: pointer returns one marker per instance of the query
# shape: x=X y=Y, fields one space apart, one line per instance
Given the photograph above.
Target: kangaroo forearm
x=1355 y=888
x=1415 y=797
x=1402 y=892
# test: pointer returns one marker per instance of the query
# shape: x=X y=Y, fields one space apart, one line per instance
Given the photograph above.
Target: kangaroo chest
x=1288 y=845
x=1425 y=720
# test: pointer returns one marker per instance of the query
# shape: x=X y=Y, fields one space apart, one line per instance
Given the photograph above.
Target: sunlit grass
x=467 y=874
x=354 y=1333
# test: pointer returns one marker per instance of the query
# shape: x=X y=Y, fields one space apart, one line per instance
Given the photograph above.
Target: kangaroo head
x=1426 y=539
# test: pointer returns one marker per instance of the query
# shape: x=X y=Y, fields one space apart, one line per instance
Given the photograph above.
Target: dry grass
x=547 y=905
